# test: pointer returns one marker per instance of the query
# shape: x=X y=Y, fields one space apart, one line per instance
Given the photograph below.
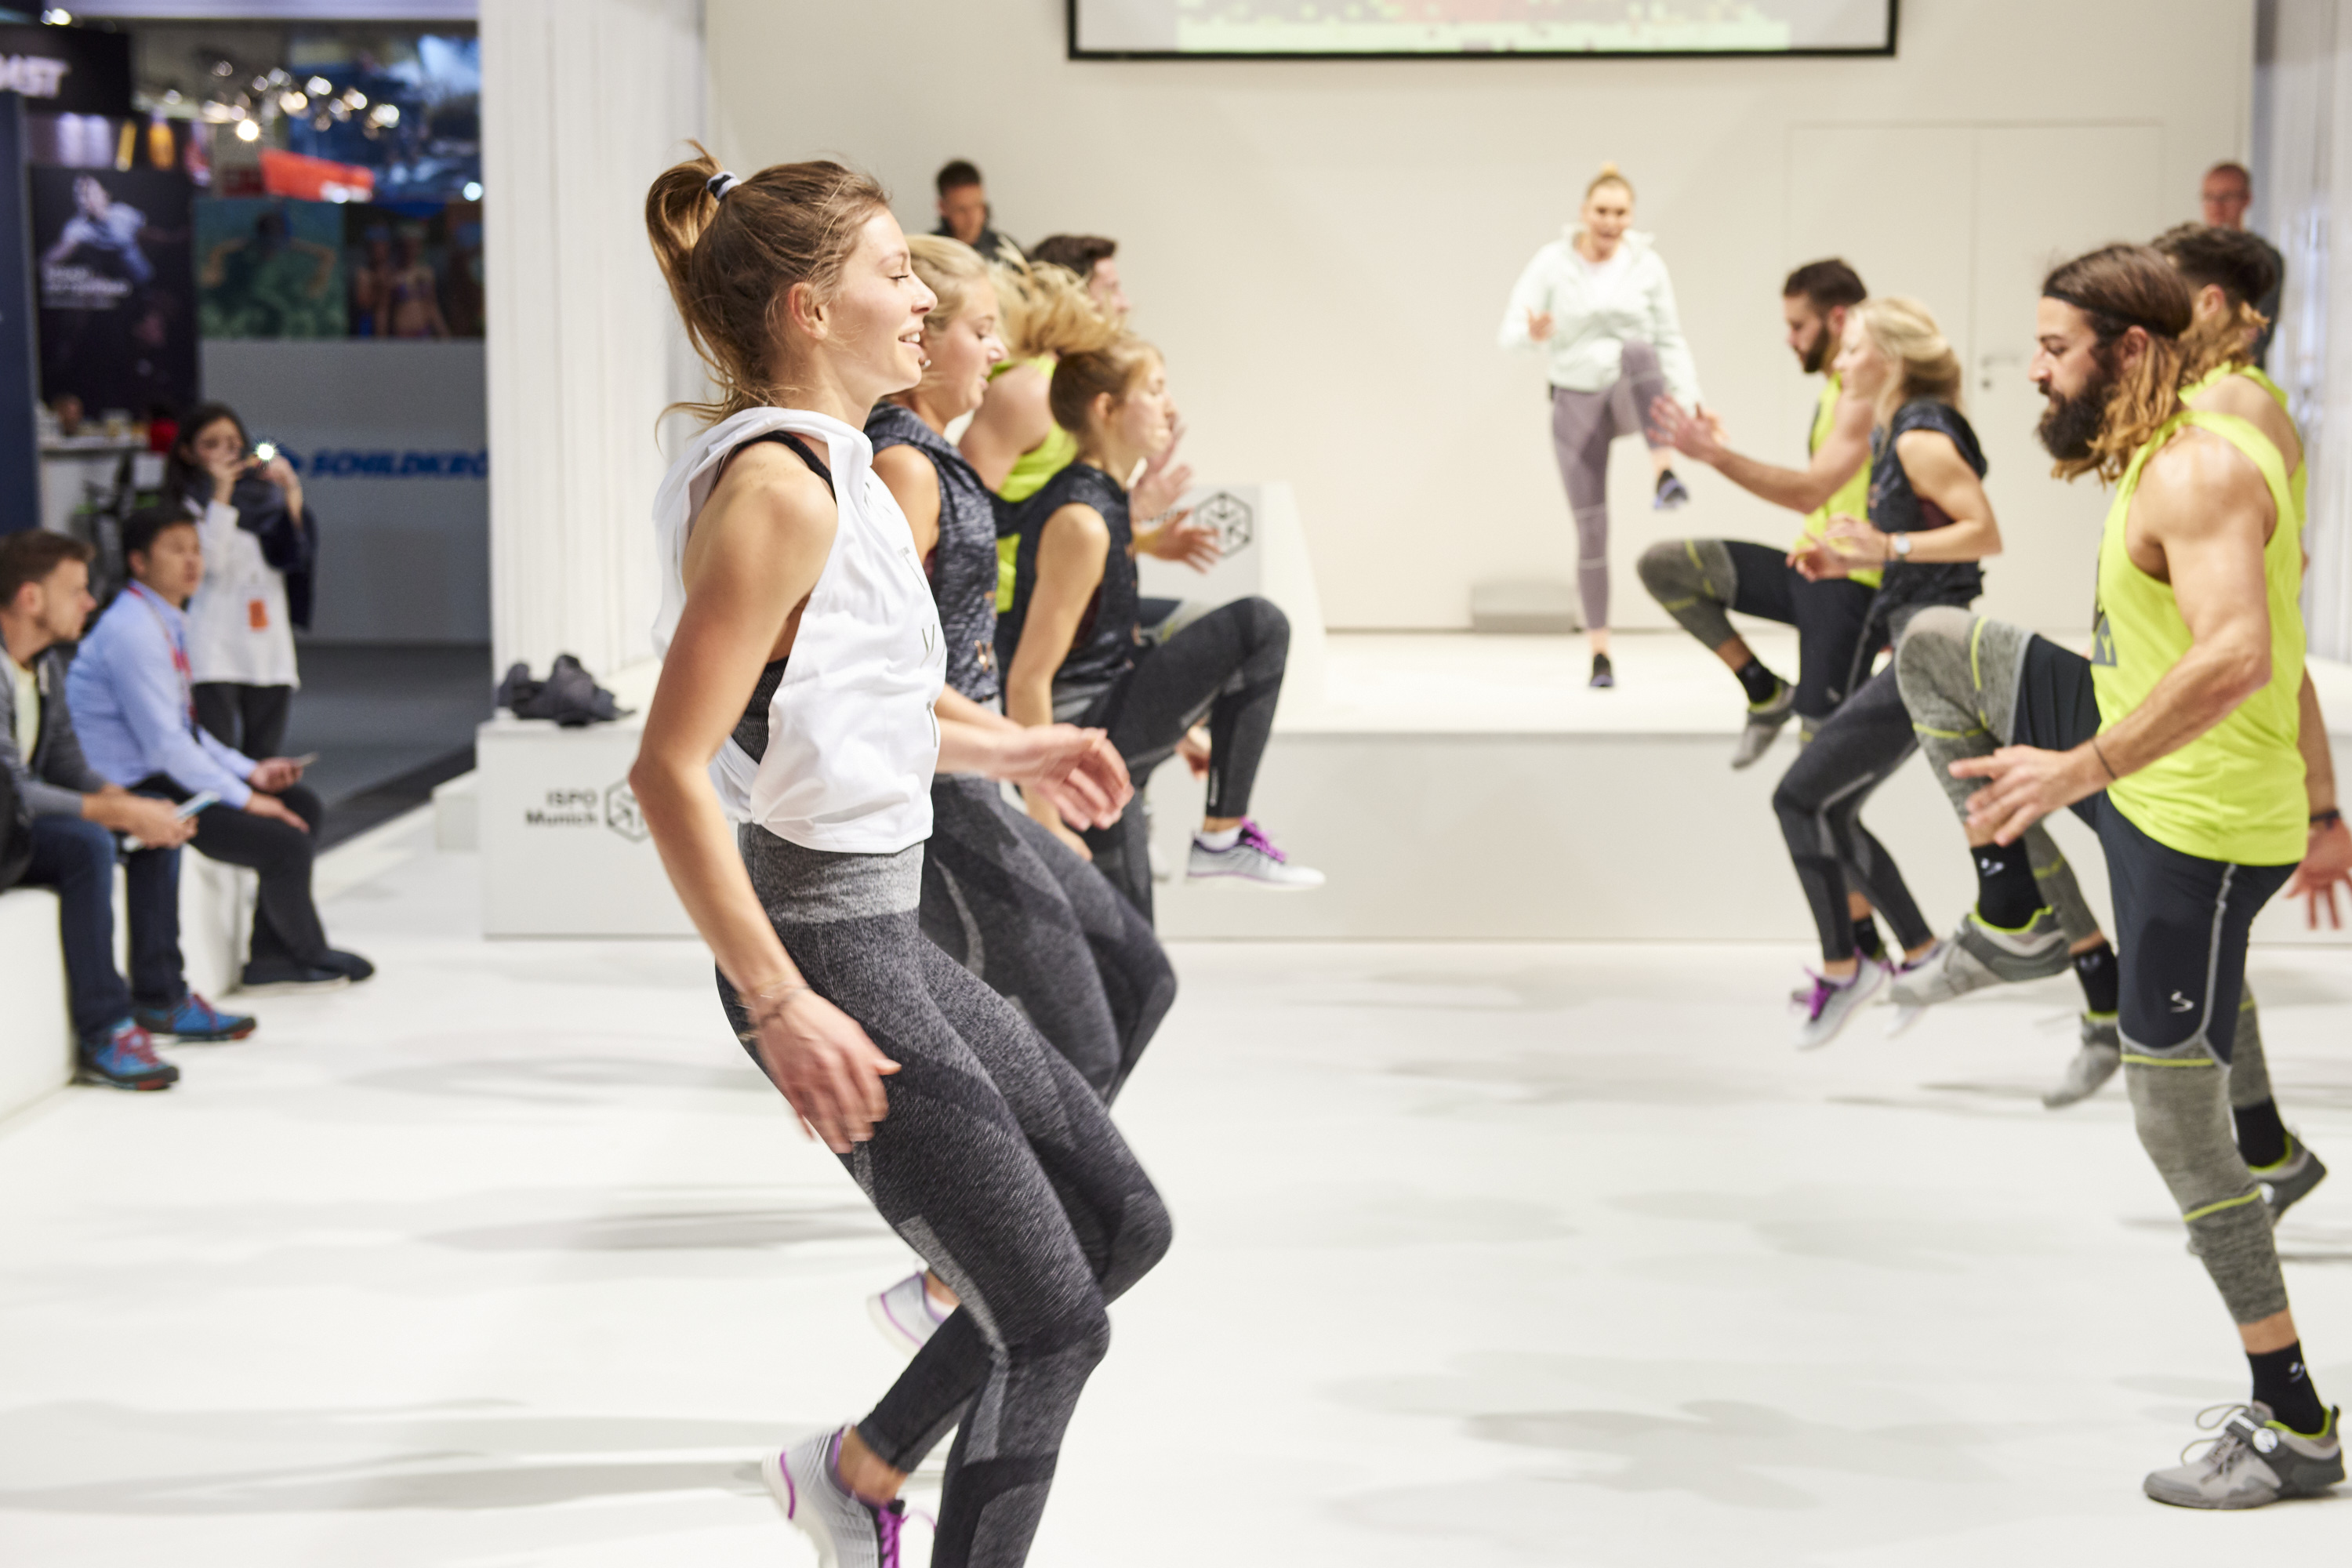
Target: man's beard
x=2070 y=424
x=1818 y=355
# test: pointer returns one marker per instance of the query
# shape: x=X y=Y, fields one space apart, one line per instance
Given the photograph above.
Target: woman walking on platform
x=1599 y=301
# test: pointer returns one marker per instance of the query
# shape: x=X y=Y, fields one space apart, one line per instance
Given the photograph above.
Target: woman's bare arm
x=1012 y=419
x=1072 y=550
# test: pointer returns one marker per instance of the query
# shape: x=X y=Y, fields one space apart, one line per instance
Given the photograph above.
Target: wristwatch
x=1902 y=545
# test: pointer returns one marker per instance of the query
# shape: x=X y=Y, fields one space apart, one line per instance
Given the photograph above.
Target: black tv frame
x=1893 y=28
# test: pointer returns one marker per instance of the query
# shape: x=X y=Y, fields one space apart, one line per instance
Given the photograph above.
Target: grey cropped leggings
x=1582 y=425
x=997 y=1163
x=1974 y=685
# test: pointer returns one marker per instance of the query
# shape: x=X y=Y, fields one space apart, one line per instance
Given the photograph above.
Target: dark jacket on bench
x=52 y=781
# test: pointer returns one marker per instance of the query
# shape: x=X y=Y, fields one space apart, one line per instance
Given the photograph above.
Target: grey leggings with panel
x=997 y=1163
x=1583 y=424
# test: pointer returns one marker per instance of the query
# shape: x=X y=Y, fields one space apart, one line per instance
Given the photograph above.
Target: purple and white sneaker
x=1250 y=857
x=906 y=1314
x=847 y=1531
x=1830 y=1003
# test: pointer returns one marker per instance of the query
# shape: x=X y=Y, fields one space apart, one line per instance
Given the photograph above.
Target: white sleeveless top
x=852 y=740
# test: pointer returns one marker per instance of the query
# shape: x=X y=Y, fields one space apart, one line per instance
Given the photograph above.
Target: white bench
x=37 y=1043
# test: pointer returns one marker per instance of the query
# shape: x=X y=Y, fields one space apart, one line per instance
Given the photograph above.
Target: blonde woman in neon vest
x=2179 y=741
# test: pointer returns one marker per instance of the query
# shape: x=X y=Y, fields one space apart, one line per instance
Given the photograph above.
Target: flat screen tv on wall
x=1452 y=29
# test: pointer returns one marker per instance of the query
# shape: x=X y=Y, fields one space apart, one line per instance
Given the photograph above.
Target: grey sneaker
x=2291 y=1179
x=2251 y=1462
x=1764 y=721
x=1831 y=1003
x=1250 y=859
x=1672 y=494
x=847 y=1531
x=905 y=1313
x=1901 y=1015
x=1979 y=955
x=2095 y=1061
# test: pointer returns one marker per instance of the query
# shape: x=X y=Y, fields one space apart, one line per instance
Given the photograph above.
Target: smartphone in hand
x=184 y=810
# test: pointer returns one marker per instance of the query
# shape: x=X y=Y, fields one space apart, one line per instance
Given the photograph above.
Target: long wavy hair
x=2239 y=266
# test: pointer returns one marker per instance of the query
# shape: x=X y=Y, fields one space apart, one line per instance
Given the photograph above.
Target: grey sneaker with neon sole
x=2095 y=1061
x=1764 y=721
x=2251 y=1462
x=1978 y=955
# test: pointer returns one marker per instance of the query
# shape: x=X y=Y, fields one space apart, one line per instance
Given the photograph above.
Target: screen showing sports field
x=1227 y=28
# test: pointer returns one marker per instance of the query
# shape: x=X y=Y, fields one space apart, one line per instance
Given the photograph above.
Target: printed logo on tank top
x=2103 y=637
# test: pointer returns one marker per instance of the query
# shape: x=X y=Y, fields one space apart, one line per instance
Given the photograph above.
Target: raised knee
x=1934 y=646
x=1267 y=622
x=1664 y=567
x=1639 y=354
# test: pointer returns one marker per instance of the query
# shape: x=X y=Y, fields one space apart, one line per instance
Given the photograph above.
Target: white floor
x=1486 y=1253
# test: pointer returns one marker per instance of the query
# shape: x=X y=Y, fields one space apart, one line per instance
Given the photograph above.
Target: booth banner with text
x=113 y=280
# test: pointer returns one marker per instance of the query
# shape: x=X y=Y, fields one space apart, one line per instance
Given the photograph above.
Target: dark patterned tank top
x=1896 y=508
x=1104 y=645
x=962 y=567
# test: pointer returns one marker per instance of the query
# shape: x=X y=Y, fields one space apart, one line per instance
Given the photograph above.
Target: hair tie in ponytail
x=719 y=184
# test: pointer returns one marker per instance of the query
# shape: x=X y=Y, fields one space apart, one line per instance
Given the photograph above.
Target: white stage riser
x=1577 y=838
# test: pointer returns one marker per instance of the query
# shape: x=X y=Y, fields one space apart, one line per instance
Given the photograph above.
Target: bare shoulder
x=2242 y=396
x=1018 y=392
x=1076 y=526
x=769 y=506
x=2201 y=481
x=904 y=467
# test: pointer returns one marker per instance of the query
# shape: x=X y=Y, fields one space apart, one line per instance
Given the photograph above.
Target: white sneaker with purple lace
x=847 y=1531
x=906 y=1314
x=1250 y=857
x=1830 y=1003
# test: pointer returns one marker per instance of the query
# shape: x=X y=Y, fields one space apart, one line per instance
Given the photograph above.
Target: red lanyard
x=180 y=665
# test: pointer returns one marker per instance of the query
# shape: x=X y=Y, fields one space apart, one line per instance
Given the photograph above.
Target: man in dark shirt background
x=964 y=210
x=2228 y=192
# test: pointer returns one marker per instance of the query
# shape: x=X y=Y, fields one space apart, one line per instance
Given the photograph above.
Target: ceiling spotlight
x=248 y=131
x=320 y=86
x=57 y=17
x=473 y=190
x=355 y=99
x=170 y=95
x=224 y=69
x=293 y=103
x=386 y=114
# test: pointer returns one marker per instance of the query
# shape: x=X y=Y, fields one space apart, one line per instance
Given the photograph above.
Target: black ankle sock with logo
x=2282 y=1382
x=2262 y=1136
x=2100 y=977
x=1866 y=940
x=1760 y=684
x=2007 y=894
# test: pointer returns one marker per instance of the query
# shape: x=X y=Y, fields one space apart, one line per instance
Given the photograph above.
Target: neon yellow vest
x=2235 y=792
x=1853 y=498
x=1047 y=458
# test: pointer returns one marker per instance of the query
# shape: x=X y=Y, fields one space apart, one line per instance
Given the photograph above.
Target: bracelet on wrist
x=771 y=1003
x=2327 y=819
x=2096 y=751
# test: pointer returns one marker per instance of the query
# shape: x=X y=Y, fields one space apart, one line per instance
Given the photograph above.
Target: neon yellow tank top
x=1853 y=498
x=2235 y=792
x=1049 y=456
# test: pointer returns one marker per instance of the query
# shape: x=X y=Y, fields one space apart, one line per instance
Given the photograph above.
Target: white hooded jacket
x=1593 y=313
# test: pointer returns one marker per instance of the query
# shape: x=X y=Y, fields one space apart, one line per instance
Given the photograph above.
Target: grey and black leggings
x=997 y=1163
x=1020 y=909
x=1583 y=424
x=1228 y=665
x=1819 y=800
x=1698 y=581
x=1974 y=685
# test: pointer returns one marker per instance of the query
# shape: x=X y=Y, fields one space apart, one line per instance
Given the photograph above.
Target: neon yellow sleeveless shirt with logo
x=1852 y=497
x=2298 y=483
x=2235 y=792
x=1030 y=471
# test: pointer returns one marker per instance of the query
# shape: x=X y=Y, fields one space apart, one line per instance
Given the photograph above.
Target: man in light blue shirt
x=134 y=696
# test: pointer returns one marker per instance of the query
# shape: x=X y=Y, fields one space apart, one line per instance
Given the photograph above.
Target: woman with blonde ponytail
x=1598 y=303
x=803 y=663
x=1929 y=524
x=1072 y=630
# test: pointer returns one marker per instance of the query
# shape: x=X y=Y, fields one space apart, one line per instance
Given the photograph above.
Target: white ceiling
x=283 y=10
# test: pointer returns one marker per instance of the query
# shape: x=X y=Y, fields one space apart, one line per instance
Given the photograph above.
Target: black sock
x=1762 y=685
x=1866 y=941
x=2097 y=969
x=2262 y=1136
x=1666 y=476
x=2282 y=1381
x=2006 y=895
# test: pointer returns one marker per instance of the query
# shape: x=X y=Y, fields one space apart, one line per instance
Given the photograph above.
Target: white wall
x=1323 y=247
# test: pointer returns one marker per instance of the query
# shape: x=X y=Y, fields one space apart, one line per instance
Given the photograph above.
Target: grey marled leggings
x=1583 y=424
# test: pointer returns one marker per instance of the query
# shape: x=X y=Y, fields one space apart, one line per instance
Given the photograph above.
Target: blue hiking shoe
x=126 y=1059
x=194 y=1019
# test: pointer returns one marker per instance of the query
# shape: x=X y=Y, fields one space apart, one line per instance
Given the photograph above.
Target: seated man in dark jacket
x=69 y=816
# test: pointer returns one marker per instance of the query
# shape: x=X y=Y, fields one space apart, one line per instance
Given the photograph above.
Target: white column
x=583 y=102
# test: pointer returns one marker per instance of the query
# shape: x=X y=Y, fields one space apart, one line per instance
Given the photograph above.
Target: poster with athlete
x=113 y=282
x=267 y=266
